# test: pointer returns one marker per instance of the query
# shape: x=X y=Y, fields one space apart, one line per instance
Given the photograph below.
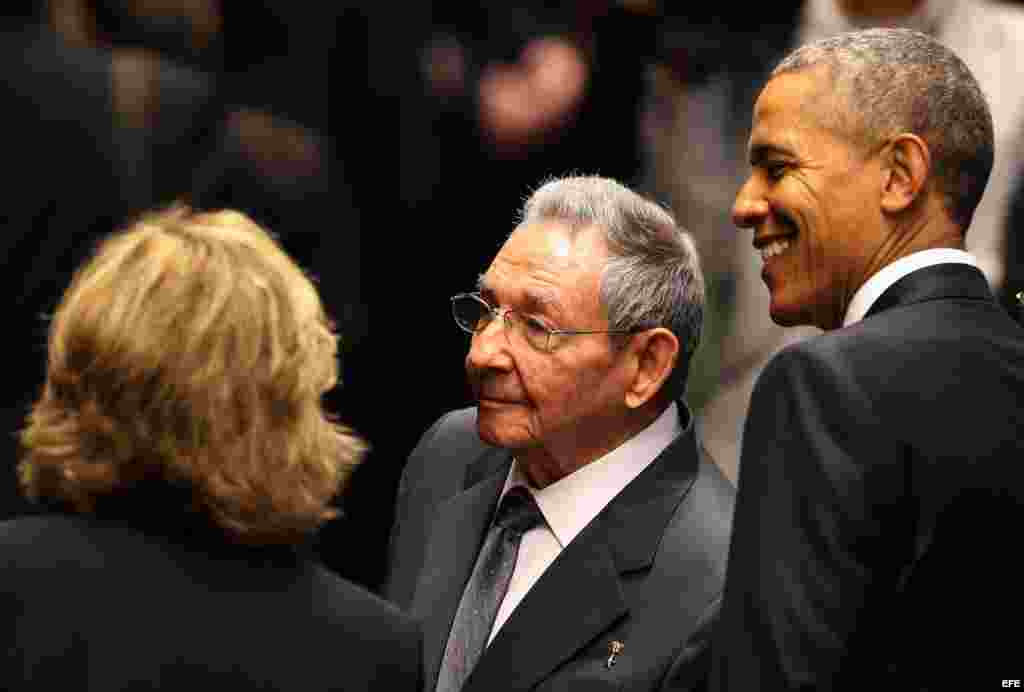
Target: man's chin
x=499 y=431
x=785 y=319
x=803 y=315
x=787 y=315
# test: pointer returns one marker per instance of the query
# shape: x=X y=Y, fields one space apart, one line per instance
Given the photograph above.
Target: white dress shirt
x=571 y=503
x=876 y=285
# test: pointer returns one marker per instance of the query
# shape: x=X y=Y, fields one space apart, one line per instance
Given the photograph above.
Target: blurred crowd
x=388 y=146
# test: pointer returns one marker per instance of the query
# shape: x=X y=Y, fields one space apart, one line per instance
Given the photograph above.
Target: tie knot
x=518 y=511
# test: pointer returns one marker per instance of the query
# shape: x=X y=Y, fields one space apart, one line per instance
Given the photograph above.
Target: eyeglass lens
x=473 y=315
x=470 y=313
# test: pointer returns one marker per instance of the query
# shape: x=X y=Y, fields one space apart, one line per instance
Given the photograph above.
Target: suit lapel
x=636 y=520
x=930 y=283
x=581 y=595
x=455 y=539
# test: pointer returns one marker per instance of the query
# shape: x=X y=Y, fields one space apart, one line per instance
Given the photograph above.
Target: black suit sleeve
x=817 y=524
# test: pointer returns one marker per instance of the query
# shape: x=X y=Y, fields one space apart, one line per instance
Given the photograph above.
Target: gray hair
x=653 y=278
x=900 y=80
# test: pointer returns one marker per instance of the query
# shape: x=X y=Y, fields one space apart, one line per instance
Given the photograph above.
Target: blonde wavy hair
x=192 y=350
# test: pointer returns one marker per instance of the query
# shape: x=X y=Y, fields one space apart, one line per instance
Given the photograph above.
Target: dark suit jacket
x=881 y=489
x=101 y=606
x=647 y=571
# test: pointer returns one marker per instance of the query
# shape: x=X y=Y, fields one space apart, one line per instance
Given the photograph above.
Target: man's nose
x=489 y=346
x=750 y=206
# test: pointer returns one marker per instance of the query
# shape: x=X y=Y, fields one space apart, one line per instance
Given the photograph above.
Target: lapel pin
x=615 y=648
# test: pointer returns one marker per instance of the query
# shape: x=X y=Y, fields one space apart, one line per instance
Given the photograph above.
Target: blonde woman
x=181 y=440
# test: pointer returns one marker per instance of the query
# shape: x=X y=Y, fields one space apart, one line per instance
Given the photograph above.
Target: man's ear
x=906 y=164
x=655 y=352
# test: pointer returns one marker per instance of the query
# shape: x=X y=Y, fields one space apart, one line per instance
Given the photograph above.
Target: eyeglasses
x=472 y=313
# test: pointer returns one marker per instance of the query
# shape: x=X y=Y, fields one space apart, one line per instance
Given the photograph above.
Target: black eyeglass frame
x=526 y=321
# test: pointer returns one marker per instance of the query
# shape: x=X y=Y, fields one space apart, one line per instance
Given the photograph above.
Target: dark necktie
x=486 y=588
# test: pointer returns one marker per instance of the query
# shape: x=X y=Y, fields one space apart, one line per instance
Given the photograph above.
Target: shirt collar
x=876 y=285
x=571 y=503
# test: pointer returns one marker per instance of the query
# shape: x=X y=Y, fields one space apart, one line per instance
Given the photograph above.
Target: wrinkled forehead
x=805 y=99
x=544 y=242
x=554 y=246
x=796 y=91
x=546 y=263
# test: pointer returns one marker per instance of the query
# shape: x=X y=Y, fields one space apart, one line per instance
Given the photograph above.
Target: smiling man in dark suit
x=582 y=328
x=882 y=460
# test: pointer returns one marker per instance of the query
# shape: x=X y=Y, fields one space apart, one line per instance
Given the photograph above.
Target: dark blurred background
x=388 y=146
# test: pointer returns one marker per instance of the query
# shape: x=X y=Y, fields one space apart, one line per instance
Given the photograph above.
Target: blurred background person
x=116 y=106
x=64 y=186
x=182 y=446
x=696 y=125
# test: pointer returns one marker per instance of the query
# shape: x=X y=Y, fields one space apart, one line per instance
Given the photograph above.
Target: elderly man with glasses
x=569 y=532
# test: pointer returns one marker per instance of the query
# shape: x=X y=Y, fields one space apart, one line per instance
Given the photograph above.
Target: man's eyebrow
x=532 y=298
x=486 y=290
x=759 y=153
